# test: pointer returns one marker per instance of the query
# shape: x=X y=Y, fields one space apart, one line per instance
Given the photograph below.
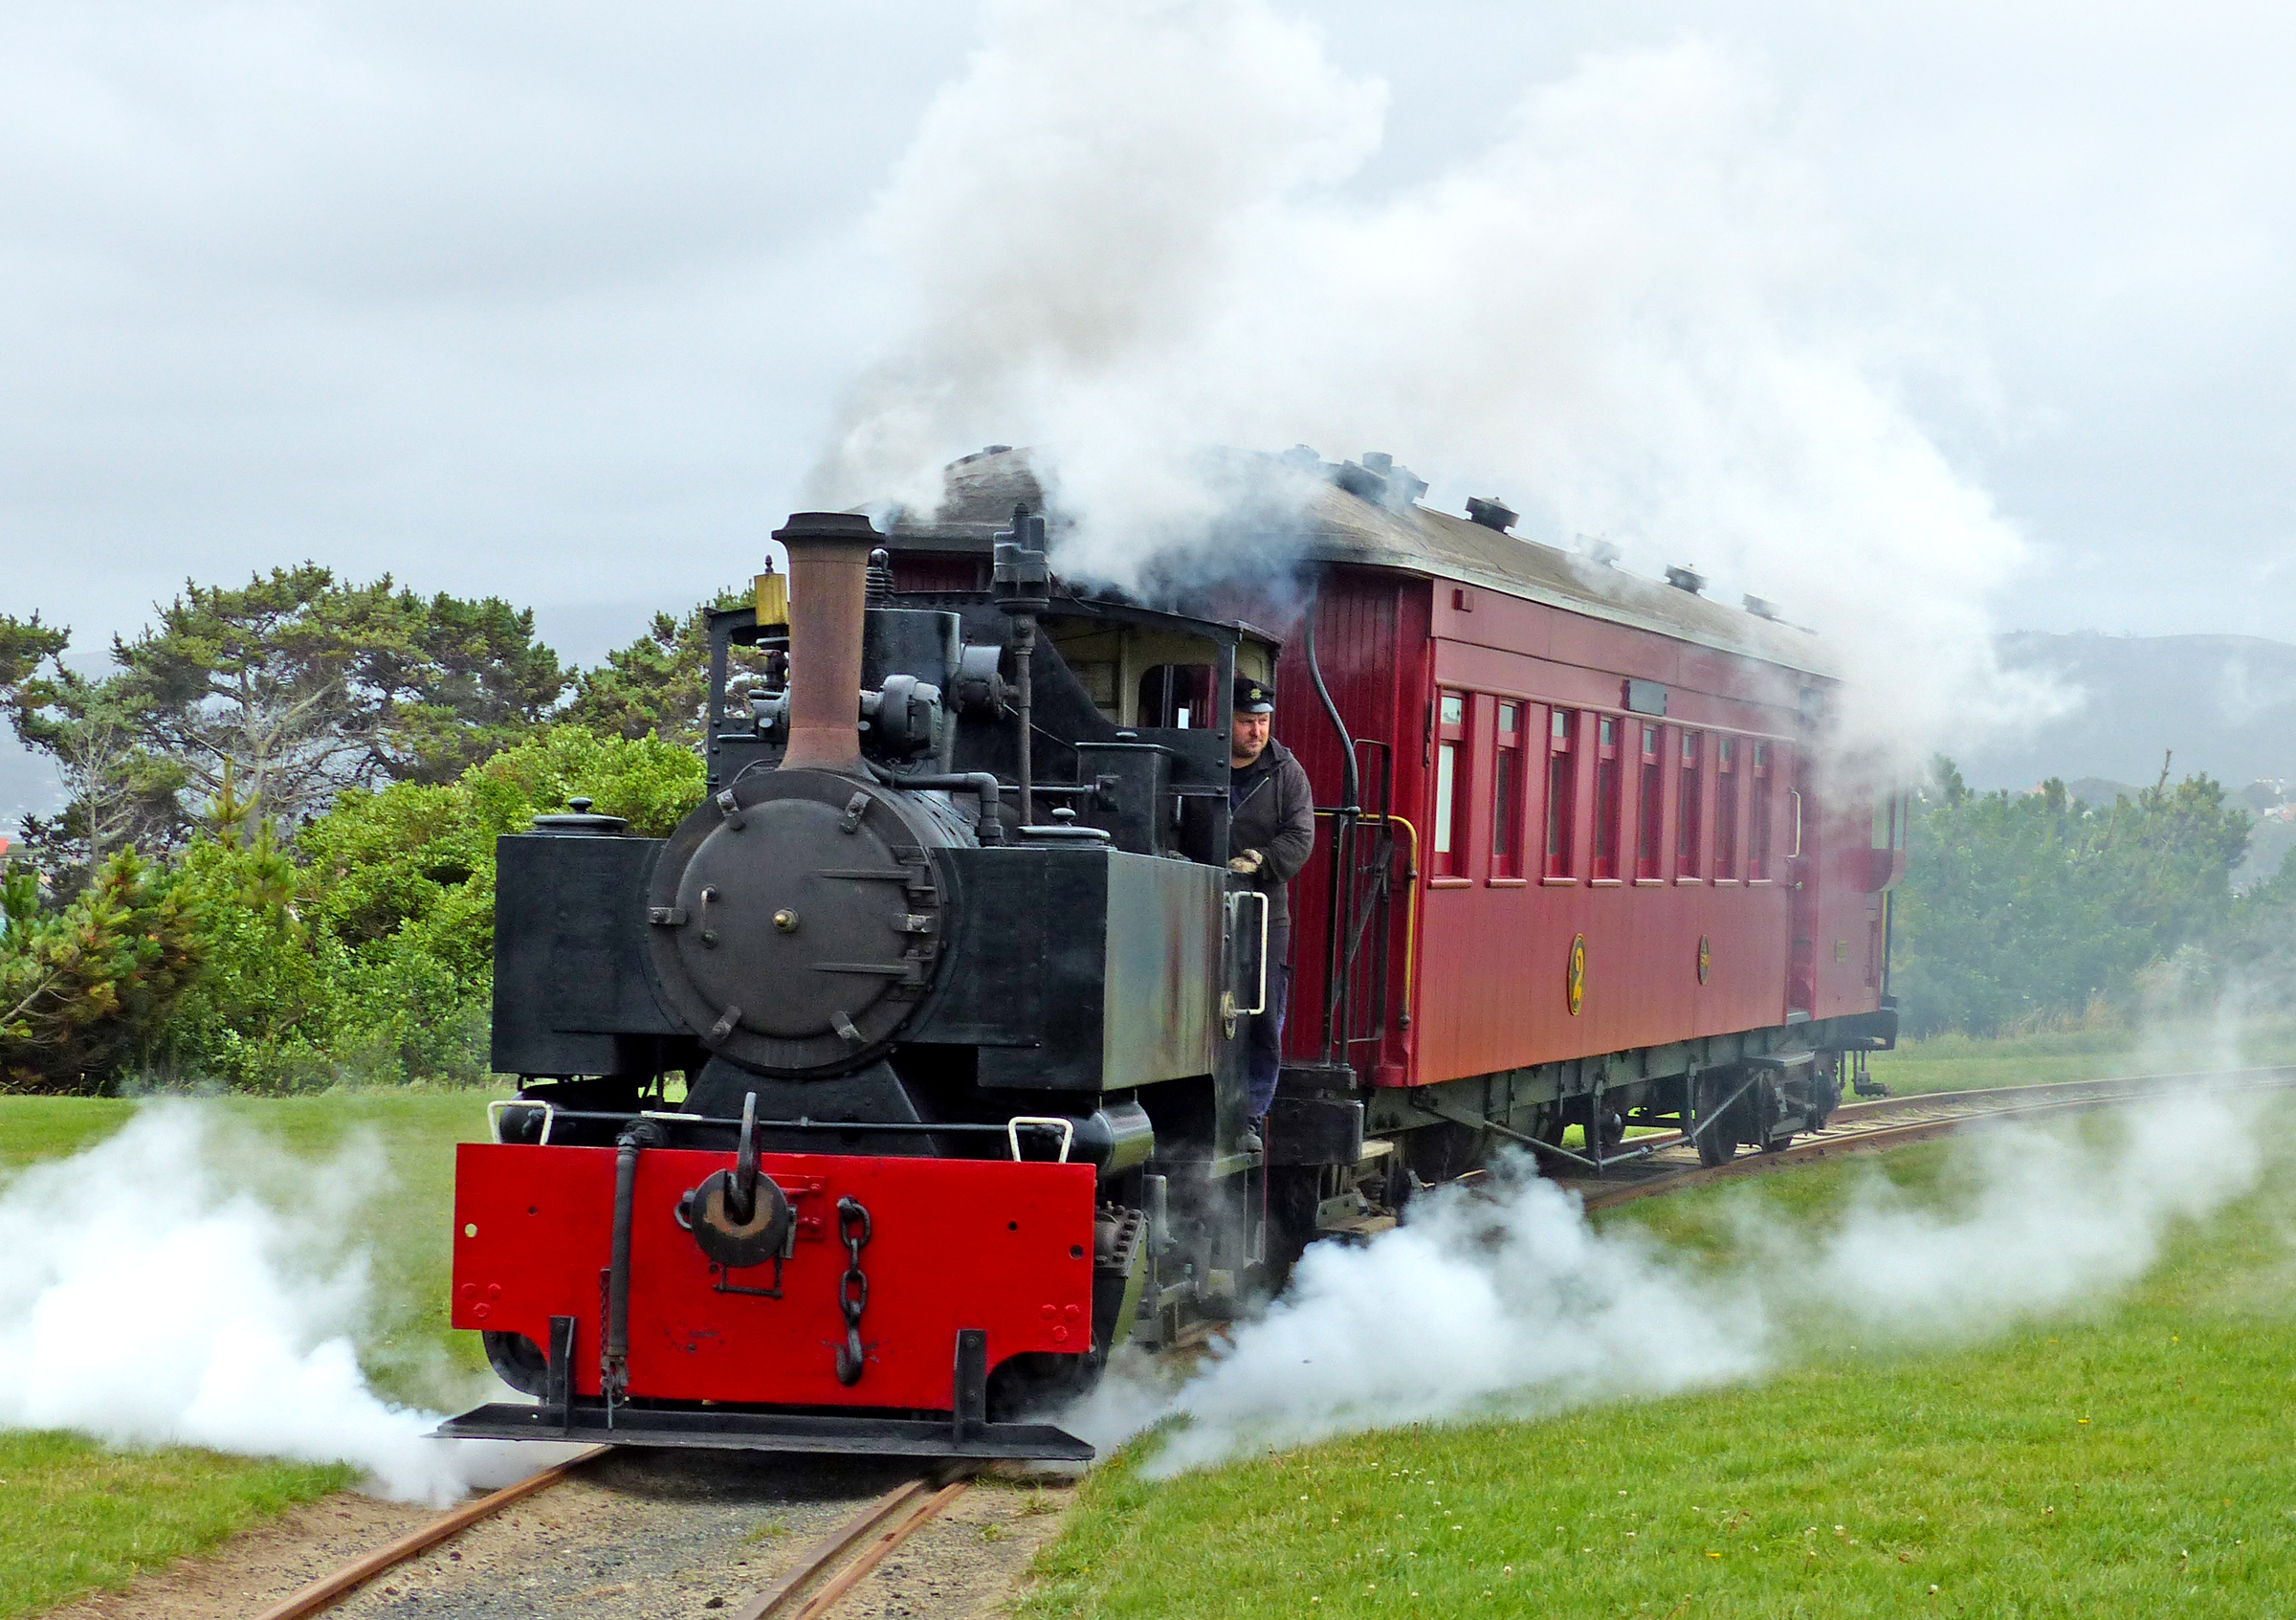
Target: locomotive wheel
x=1294 y=1192
x=1718 y=1143
x=517 y=1361
x=1037 y=1384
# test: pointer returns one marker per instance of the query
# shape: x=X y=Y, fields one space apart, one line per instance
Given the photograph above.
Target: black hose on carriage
x=1344 y=829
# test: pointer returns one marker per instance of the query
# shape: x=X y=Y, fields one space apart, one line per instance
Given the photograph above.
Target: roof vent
x=1491 y=513
x=1686 y=579
x=1760 y=608
x=1377 y=480
x=1599 y=550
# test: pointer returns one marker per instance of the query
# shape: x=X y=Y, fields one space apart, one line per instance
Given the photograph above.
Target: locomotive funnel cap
x=828 y=590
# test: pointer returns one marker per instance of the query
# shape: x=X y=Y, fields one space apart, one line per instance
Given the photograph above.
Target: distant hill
x=2225 y=704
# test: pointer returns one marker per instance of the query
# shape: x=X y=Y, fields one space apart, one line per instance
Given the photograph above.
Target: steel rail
x=328 y=1591
x=907 y=1515
x=894 y=1517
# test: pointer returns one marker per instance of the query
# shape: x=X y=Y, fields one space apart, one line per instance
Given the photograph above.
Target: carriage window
x=1650 y=808
x=1562 y=790
x=1889 y=821
x=1179 y=696
x=1451 y=787
x=1687 y=821
x=1758 y=822
x=1726 y=808
x=1606 y=797
x=1507 y=795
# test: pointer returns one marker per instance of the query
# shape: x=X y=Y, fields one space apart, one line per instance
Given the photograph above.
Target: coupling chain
x=852 y=1287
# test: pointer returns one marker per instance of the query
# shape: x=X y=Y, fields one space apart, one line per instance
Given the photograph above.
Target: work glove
x=1247 y=864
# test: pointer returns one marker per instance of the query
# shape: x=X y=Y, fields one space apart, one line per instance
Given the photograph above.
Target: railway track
x=838 y=1561
x=1898 y=1121
x=822 y=1577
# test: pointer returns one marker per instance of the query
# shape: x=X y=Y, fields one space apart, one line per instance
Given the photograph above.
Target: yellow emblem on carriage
x=1705 y=959
x=1574 y=981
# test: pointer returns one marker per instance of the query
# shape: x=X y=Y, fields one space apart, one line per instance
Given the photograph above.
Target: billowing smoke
x=1127 y=236
x=1513 y=1304
x=150 y=1296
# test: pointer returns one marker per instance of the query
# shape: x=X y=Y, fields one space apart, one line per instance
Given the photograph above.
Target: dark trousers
x=1264 y=1042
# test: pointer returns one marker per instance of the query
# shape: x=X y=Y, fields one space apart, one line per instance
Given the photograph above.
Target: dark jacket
x=1275 y=813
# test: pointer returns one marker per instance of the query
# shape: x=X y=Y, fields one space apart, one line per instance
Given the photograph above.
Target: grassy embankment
x=2131 y=1461
x=76 y=1516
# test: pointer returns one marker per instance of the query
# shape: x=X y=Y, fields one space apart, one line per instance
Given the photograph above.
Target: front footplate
x=717 y=1428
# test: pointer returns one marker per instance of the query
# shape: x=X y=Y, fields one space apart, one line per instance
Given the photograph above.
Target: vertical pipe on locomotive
x=829 y=587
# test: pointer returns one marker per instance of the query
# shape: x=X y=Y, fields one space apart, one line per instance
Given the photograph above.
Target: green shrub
x=369 y=955
x=86 y=990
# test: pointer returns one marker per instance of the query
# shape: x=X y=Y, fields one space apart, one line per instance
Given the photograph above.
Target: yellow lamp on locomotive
x=771 y=593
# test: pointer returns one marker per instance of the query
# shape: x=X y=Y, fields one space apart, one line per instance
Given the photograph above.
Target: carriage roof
x=1353 y=515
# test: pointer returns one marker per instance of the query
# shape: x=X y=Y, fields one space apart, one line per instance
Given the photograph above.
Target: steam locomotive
x=873 y=1107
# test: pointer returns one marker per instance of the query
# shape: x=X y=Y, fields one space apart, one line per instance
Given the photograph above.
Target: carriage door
x=1795 y=837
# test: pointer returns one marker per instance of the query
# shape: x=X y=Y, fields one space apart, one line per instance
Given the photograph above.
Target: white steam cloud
x=1126 y=237
x=147 y=1301
x=1516 y=1305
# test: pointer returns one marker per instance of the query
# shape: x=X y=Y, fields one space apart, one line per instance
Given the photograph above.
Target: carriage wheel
x=1718 y=1143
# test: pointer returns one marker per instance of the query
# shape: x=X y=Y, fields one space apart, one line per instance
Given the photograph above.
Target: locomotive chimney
x=829 y=585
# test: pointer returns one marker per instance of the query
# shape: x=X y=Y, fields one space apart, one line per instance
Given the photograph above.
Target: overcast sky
x=558 y=301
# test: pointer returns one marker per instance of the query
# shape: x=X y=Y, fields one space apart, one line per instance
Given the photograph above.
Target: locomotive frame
x=955 y=974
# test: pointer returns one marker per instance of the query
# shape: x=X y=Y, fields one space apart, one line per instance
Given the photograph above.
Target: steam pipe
x=829 y=589
x=1024 y=645
x=1022 y=584
x=983 y=784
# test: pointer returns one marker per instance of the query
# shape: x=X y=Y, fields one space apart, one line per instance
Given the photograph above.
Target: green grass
x=2085 y=1052
x=76 y=1516
x=2135 y=1461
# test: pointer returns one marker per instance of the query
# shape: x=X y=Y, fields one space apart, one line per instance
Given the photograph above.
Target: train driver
x=1270 y=830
